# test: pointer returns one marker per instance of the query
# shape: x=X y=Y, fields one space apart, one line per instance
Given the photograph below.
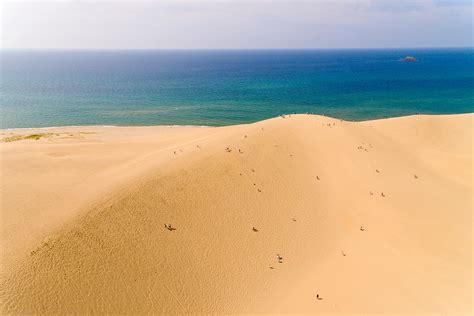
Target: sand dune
x=374 y=217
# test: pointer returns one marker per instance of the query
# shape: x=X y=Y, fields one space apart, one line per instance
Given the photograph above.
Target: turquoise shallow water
x=56 y=88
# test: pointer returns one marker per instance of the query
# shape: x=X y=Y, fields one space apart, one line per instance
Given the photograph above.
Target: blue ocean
x=222 y=87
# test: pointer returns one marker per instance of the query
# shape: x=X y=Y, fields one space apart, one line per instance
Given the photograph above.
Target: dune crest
x=296 y=214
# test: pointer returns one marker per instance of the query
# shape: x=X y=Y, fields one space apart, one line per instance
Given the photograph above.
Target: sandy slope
x=83 y=218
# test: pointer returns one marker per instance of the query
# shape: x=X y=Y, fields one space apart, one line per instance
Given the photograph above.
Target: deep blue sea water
x=55 y=88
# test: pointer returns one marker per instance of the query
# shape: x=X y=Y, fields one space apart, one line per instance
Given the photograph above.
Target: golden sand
x=372 y=217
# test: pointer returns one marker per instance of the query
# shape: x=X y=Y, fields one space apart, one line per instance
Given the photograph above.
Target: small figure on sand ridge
x=168 y=227
x=317 y=177
x=254 y=229
x=280 y=258
x=416 y=177
x=362 y=228
x=318 y=297
x=383 y=195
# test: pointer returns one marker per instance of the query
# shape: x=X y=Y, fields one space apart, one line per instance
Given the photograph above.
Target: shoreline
x=102 y=126
x=237 y=124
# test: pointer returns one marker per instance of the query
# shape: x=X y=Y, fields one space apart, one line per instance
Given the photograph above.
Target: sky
x=233 y=24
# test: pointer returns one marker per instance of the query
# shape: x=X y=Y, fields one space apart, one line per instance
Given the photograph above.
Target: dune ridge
x=372 y=217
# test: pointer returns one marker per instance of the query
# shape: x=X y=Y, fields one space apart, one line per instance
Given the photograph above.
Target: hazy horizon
x=234 y=49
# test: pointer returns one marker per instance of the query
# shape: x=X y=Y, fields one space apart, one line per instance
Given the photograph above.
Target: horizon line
x=226 y=49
